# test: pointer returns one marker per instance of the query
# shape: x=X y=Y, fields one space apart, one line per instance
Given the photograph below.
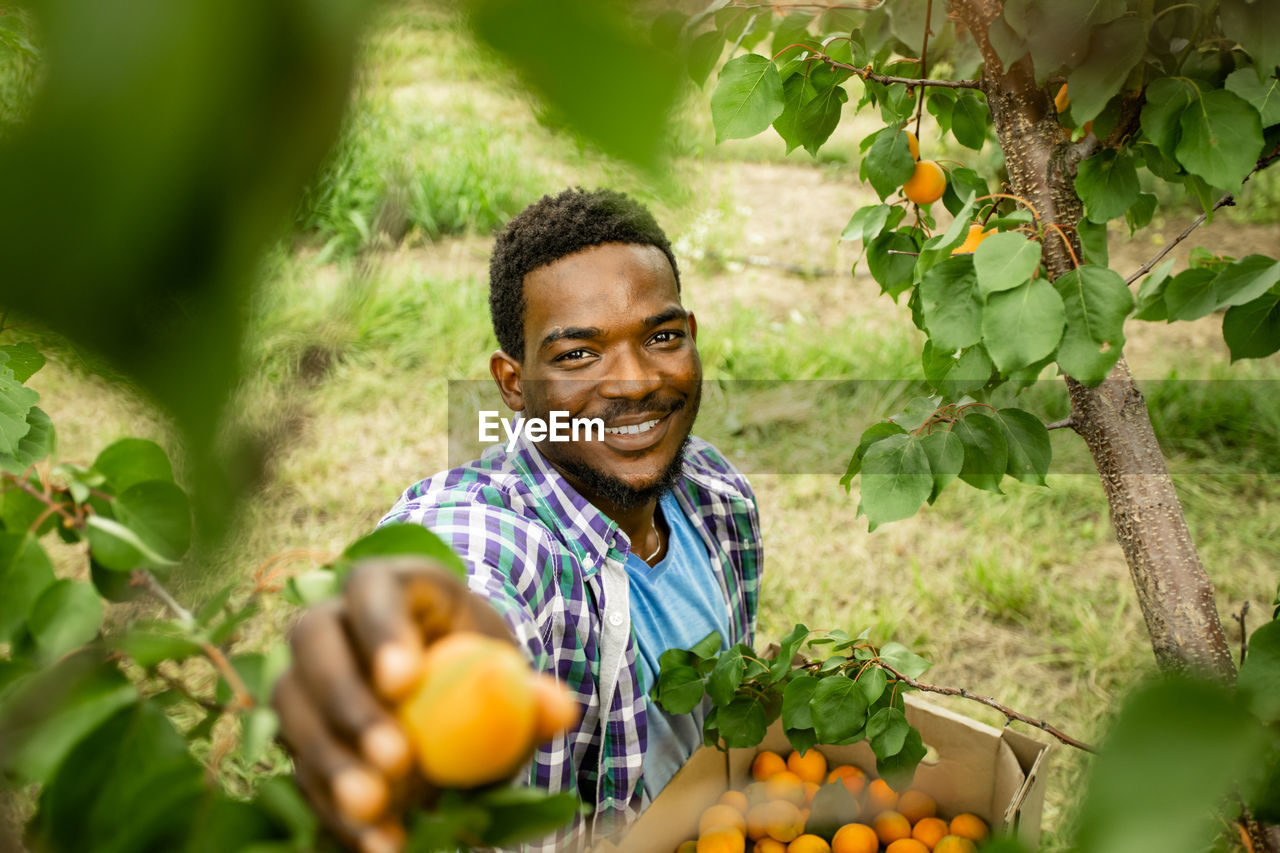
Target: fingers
x=353 y=792
x=387 y=836
x=331 y=673
x=382 y=624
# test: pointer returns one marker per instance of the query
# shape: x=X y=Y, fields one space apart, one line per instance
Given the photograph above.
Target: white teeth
x=633 y=429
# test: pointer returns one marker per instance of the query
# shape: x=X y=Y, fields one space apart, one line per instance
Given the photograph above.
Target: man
x=595 y=556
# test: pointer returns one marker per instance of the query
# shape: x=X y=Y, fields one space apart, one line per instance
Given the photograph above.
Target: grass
x=352 y=346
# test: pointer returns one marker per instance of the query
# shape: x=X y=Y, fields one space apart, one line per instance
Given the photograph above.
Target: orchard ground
x=1024 y=597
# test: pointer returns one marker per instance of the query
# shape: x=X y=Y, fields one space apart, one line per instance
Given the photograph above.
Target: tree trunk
x=1175 y=594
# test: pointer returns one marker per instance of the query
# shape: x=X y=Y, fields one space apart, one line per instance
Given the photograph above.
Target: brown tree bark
x=1175 y=593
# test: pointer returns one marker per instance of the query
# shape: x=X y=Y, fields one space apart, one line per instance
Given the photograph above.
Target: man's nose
x=631 y=376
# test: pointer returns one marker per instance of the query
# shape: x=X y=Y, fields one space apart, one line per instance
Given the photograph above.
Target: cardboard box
x=971 y=767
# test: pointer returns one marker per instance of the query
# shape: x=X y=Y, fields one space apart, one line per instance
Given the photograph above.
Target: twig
x=1244 y=636
x=924 y=63
x=1068 y=422
x=1225 y=201
x=868 y=74
x=45 y=499
x=1009 y=713
x=243 y=698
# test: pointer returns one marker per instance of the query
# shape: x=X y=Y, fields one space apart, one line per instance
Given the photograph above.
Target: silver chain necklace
x=653 y=520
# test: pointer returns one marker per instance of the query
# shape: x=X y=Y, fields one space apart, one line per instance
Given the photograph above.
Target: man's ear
x=693 y=327
x=506 y=372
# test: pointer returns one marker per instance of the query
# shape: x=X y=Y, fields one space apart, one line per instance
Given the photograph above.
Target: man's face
x=606 y=337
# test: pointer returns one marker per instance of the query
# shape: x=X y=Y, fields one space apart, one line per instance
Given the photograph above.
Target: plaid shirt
x=554 y=566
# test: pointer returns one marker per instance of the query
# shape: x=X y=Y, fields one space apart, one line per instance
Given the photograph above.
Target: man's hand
x=352 y=660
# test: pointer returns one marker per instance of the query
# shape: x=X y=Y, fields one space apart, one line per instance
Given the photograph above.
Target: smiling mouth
x=633 y=429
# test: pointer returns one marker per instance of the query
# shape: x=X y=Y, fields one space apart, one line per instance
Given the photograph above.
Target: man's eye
x=572 y=355
x=667 y=336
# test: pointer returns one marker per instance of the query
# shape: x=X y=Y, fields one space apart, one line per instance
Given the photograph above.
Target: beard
x=620 y=493
x=614 y=489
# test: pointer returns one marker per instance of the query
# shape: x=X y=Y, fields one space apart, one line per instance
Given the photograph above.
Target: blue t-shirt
x=673 y=605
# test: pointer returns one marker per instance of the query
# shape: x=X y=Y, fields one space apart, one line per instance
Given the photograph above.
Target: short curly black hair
x=552 y=228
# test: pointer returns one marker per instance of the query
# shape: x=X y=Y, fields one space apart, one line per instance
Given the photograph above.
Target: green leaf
x=742 y=722
x=747 y=97
x=1138 y=216
x=16 y=401
x=149 y=647
x=986 y=454
x=895 y=479
x=839 y=709
x=131 y=784
x=939 y=247
x=524 y=814
x=1263 y=94
x=963 y=184
x=887 y=731
x=873 y=433
x=832 y=807
x=118 y=548
x=130 y=461
x=903 y=659
x=160 y=514
x=918 y=410
x=889 y=163
x=1108 y=185
x=900 y=768
x=1245 y=280
x=1221 y=138
x=954 y=377
x=891 y=259
x=704 y=53
x=1097 y=301
x=1115 y=48
x=797 y=90
x=787 y=651
x=398 y=539
x=708 y=646
x=1259 y=679
x=625 y=111
x=47 y=713
x=1151 y=294
x=872 y=683
x=258 y=671
x=1253 y=330
x=312 y=587
x=1253 y=25
x=796 y=713
x=258 y=727
x=679 y=689
x=969 y=119
x=793 y=29
x=1022 y=325
x=868 y=222
x=1143 y=796
x=36 y=445
x=66 y=616
x=726 y=677
x=818 y=118
x=23 y=359
x=946 y=458
x=949 y=300
x=1189 y=296
x=25 y=572
x=1008 y=45
x=1030 y=450
x=1167 y=97
x=1004 y=261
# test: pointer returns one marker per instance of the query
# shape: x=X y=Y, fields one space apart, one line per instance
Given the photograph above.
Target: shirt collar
x=589 y=532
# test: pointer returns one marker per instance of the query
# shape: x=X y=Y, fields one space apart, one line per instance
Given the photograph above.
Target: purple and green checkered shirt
x=554 y=566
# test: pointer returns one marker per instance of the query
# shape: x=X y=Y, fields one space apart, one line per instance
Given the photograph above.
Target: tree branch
x=243 y=698
x=1009 y=713
x=1066 y=423
x=1228 y=199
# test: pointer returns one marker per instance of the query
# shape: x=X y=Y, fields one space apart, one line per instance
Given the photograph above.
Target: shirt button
x=615 y=619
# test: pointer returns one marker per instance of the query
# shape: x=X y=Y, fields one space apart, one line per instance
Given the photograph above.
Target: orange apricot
x=811 y=767
x=769 y=845
x=972 y=240
x=688 y=847
x=737 y=799
x=1062 y=100
x=914 y=145
x=890 y=826
x=723 y=840
x=955 y=844
x=785 y=785
x=906 y=845
x=969 y=826
x=851 y=777
x=784 y=821
x=929 y=831
x=855 y=838
x=880 y=797
x=766 y=764
x=927 y=183
x=720 y=816
x=916 y=805
x=808 y=844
